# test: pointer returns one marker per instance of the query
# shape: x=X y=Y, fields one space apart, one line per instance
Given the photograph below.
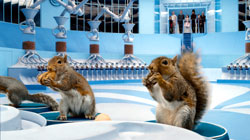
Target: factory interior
x=125 y=69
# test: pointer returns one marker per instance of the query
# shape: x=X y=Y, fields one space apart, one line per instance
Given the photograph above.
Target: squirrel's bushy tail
x=45 y=99
x=189 y=69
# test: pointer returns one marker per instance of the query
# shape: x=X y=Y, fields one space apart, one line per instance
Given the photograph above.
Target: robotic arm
x=72 y=8
x=63 y=13
x=66 y=6
x=125 y=15
x=30 y=13
x=37 y=3
x=123 y=18
x=106 y=10
x=81 y=5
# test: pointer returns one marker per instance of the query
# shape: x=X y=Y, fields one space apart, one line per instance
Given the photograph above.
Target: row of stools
x=237 y=72
x=97 y=73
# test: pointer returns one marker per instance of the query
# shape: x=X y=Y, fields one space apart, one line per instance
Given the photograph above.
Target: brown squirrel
x=77 y=96
x=17 y=92
x=179 y=89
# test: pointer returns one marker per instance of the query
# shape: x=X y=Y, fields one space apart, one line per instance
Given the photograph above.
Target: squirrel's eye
x=59 y=62
x=165 y=62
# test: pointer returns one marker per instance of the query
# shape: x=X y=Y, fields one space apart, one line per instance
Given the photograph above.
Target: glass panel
x=86 y=17
x=95 y=2
x=37 y=19
x=115 y=27
x=121 y=29
x=95 y=11
x=136 y=27
x=10 y=11
x=136 y=3
x=242 y=12
x=112 y=20
x=102 y=2
x=1 y=10
x=122 y=2
x=7 y=10
x=101 y=27
x=87 y=12
x=115 y=2
x=21 y=16
x=116 y=24
x=80 y=23
x=15 y=7
x=136 y=20
x=108 y=2
x=248 y=10
x=108 y=22
x=73 y=22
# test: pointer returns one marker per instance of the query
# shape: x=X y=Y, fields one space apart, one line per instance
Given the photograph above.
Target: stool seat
x=34 y=107
x=209 y=130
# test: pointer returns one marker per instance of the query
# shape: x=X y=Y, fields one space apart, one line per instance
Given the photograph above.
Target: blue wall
x=146 y=16
x=8 y=57
x=232 y=43
x=218 y=49
x=229 y=15
x=78 y=42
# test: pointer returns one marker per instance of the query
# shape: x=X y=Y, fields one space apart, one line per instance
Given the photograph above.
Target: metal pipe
x=126 y=11
x=37 y=3
x=81 y=4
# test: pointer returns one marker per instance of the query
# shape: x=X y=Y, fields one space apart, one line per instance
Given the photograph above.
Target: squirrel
x=179 y=89
x=17 y=92
x=77 y=96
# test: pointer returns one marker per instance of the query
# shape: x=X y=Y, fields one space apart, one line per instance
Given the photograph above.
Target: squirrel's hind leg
x=89 y=107
x=64 y=109
x=185 y=117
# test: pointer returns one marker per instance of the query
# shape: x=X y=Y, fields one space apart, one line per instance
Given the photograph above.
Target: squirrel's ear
x=65 y=58
x=174 y=60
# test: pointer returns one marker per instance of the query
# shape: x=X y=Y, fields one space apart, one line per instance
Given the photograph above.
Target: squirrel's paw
x=62 y=117
x=154 y=78
x=89 y=117
x=48 y=81
x=144 y=81
x=151 y=80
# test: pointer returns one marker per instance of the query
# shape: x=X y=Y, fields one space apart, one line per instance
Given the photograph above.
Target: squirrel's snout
x=151 y=68
x=50 y=68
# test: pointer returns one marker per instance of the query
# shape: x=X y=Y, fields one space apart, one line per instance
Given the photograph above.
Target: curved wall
x=218 y=49
x=77 y=41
